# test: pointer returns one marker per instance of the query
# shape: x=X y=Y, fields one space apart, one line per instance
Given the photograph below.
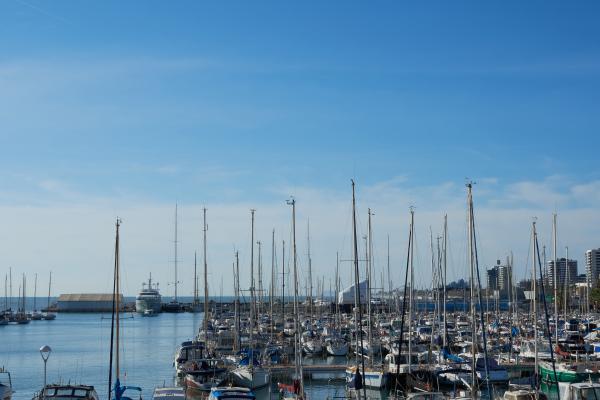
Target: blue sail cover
x=448 y=356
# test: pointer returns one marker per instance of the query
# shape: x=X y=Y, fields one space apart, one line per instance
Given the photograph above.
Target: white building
x=346 y=296
x=592 y=267
x=87 y=302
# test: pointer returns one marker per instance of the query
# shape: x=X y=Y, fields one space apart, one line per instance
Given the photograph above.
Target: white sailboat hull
x=251 y=377
x=372 y=378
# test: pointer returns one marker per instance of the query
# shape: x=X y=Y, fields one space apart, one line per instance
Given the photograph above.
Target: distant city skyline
x=121 y=109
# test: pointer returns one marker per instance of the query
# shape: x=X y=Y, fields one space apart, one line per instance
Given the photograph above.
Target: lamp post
x=45 y=353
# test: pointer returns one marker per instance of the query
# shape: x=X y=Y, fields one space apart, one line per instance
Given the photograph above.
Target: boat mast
x=23 y=293
x=535 y=332
x=337 y=288
x=389 y=275
x=35 y=293
x=252 y=288
x=175 y=246
x=368 y=250
x=555 y=273
x=49 y=287
x=206 y=313
x=114 y=320
x=410 y=293
x=283 y=281
x=472 y=302
x=297 y=327
x=445 y=259
x=357 y=298
x=272 y=290
x=566 y=280
x=195 y=281
x=236 y=273
x=260 y=285
x=310 y=281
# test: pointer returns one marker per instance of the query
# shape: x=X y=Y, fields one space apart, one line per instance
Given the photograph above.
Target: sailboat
x=250 y=373
x=358 y=377
x=21 y=316
x=48 y=315
x=35 y=314
x=174 y=306
x=296 y=390
x=118 y=390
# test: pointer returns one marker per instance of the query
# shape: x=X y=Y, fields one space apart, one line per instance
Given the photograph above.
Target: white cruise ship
x=149 y=298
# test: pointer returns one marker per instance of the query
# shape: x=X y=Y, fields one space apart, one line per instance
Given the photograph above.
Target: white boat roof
x=169 y=393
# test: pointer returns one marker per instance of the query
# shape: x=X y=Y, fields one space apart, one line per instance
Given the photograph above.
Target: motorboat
x=48 y=316
x=149 y=313
x=231 y=393
x=205 y=374
x=187 y=354
x=149 y=298
x=578 y=391
x=65 y=392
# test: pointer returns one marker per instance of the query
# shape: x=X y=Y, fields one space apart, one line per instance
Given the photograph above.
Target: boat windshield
x=592 y=393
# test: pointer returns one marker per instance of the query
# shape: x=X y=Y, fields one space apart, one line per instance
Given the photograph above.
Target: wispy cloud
x=82 y=227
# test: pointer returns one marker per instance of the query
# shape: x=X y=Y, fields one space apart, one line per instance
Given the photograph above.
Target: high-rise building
x=499 y=277
x=592 y=267
x=504 y=277
x=492 y=278
x=563 y=274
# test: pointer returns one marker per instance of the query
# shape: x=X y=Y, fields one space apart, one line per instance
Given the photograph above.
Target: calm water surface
x=80 y=352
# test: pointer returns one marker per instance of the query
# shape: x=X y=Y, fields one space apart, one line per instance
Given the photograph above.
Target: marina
x=299 y=200
x=271 y=347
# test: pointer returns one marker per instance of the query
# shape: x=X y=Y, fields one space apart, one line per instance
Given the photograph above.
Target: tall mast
x=236 y=272
x=252 y=283
x=195 y=279
x=114 y=333
x=388 y=271
x=310 y=280
x=204 y=229
x=260 y=284
x=357 y=298
x=35 y=293
x=566 y=280
x=23 y=293
x=117 y=291
x=444 y=258
x=297 y=327
x=175 y=245
x=535 y=332
x=283 y=281
x=410 y=293
x=49 y=288
x=555 y=276
x=11 y=292
x=472 y=299
x=369 y=249
x=337 y=277
x=272 y=289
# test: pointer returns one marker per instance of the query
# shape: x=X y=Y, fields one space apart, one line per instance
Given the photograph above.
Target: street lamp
x=45 y=353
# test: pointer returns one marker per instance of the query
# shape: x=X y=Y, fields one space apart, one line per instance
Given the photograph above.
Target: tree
x=595 y=297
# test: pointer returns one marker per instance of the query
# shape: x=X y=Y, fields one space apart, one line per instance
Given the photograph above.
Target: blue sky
x=117 y=107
